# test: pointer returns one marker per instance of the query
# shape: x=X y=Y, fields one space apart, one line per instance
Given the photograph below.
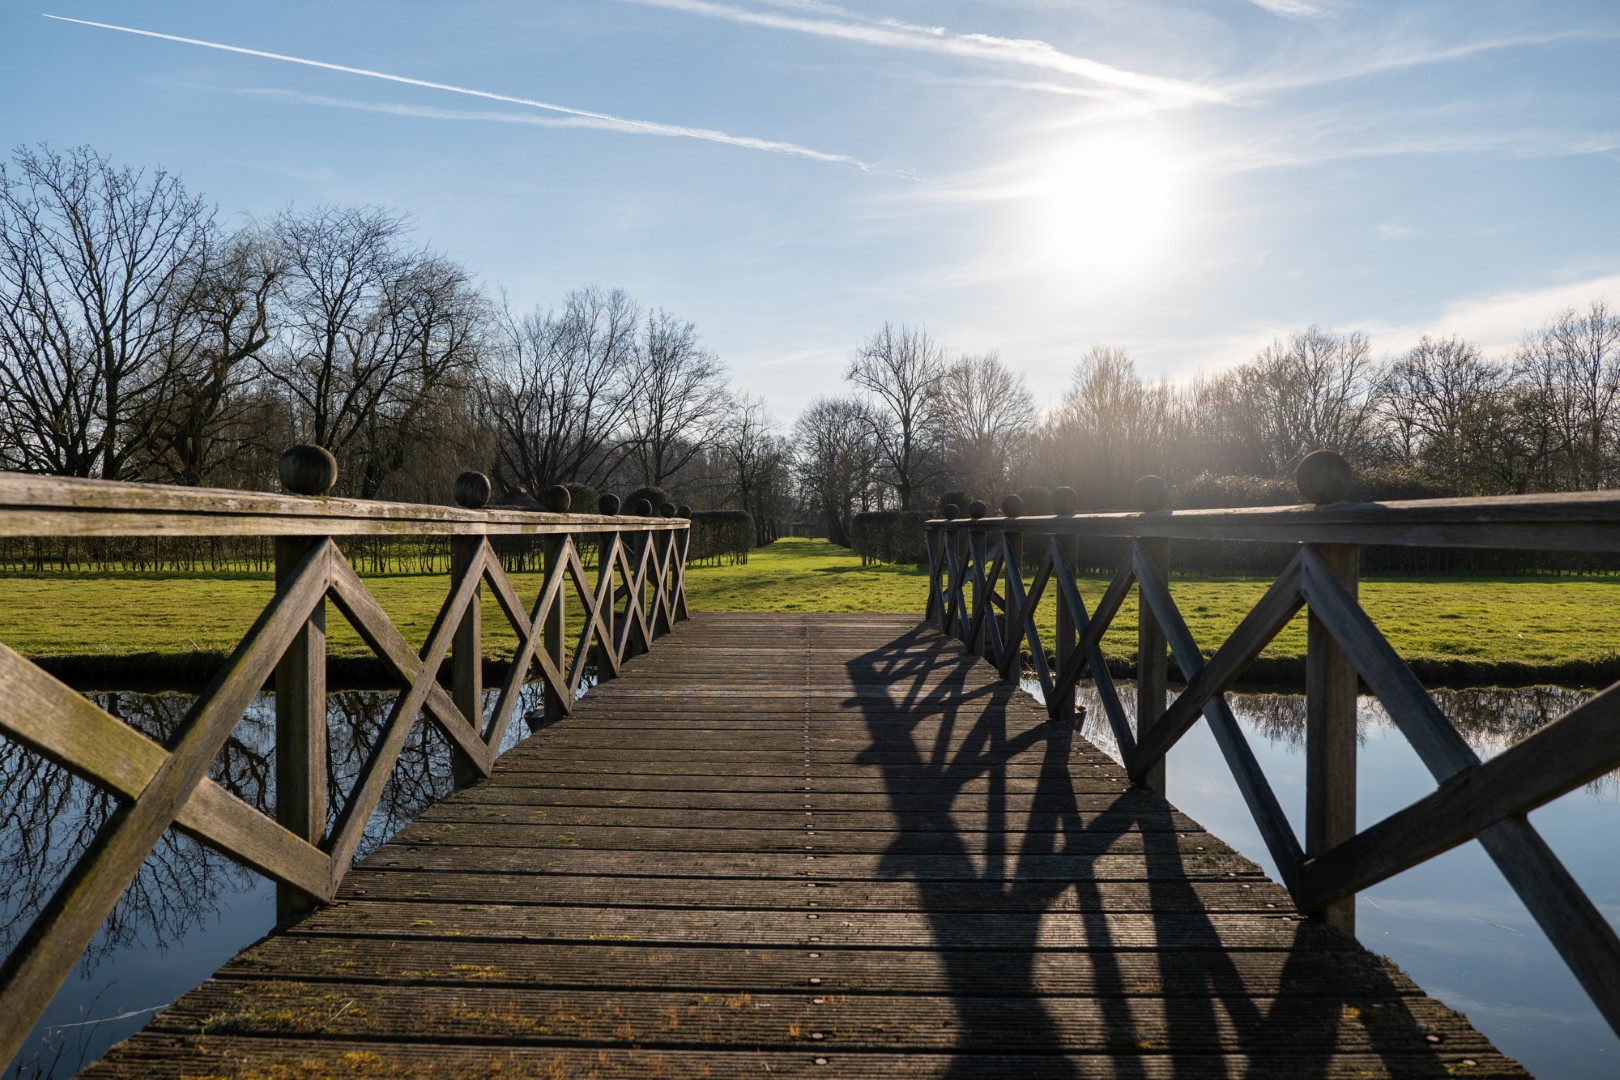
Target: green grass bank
x=140 y=628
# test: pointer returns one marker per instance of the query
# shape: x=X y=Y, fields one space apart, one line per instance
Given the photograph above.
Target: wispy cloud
x=434 y=112
x=839 y=23
x=1291 y=9
x=595 y=119
x=1498 y=321
x=1314 y=70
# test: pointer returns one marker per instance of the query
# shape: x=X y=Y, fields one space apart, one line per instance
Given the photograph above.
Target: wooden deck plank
x=791 y=845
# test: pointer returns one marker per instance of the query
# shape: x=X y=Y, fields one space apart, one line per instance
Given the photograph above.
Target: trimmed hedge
x=891 y=536
x=721 y=536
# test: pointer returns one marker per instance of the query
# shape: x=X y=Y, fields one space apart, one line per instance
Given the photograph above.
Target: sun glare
x=1111 y=202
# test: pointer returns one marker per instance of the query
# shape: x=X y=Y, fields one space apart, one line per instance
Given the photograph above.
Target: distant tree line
x=142 y=339
x=922 y=426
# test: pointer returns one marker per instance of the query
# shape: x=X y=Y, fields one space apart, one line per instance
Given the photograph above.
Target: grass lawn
x=1527 y=621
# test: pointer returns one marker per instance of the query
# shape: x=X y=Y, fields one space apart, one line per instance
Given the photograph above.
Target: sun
x=1110 y=202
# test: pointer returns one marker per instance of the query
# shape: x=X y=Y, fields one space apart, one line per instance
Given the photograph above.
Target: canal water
x=1453 y=924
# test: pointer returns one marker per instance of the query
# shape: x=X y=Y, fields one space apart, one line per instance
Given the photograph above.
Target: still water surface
x=1453 y=924
x=189 y=910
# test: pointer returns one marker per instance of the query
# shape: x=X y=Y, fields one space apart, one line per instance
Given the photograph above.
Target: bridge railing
x=977 y=593
x=637 y=594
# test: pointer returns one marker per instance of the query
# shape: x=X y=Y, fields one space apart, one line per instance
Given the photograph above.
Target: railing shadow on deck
x=637 y=595
x=977 y=594
x=953 y=736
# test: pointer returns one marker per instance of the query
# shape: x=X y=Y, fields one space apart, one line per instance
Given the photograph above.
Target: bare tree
x=901 y=369
x=837 y=461
x=756 y=457
x=558 y=390
x=1571 y=372
x=986 y=417
x=94 y=260
x=1110 y=429
x=1442 y=400
x=680 y=391
x=371 y=332
x=198 y=420
x=1315 y=390
x=438 y=321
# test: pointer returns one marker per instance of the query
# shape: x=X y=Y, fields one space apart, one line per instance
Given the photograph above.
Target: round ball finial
x=1324 y=477
x=683 y=511
x=666 y=509
x=608 y=504
x=473 y=490
x=558 y=499
x=976 y=508
x=1150 y=493
x=640 y=508
x=1012 y=505
x=308 y=470
x=950 y=511
x=1065 y=500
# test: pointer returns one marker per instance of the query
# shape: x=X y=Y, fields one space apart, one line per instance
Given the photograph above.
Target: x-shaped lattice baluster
x=1087 y=651
x=1487 y=799
x=65 y=927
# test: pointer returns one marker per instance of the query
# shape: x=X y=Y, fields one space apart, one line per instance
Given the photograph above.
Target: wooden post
x=959 y=542
x=1330 y=735
x=982 y=587
x=1068 y=630
x=934 y=613
x=605 y=545
x=664 y=553
x=467 y=659
x=634 y=595
x=683 y=547
x=1012 y=631
x=301 y=779
x=1152 y=663
x=554 y=625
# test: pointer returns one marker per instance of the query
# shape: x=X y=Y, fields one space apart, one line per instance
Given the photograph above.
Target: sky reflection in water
x=1453 y=923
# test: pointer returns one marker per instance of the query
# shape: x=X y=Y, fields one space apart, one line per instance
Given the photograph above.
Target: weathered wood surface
x=32 y=505
x=807 y=845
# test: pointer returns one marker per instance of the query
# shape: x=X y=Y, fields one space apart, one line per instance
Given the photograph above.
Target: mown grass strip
x=1463 y=629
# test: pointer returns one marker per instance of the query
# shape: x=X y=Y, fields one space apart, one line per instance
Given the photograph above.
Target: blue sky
x=1184 y=179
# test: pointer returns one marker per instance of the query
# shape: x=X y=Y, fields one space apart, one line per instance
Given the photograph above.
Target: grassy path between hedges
x=1460 y=624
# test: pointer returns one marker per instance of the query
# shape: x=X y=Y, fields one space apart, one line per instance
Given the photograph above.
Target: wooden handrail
x=638 y=595
x=976 y=593
x=1577 y=521
x=64 y=506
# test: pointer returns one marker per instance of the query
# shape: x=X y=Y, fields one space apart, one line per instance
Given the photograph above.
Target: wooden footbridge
x=789 y=845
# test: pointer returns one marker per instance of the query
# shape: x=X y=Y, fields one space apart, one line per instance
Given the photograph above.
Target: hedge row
x=891 y=536
x=720 y=536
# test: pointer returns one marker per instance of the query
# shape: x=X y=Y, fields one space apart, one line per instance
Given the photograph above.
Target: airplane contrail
x=646 y=127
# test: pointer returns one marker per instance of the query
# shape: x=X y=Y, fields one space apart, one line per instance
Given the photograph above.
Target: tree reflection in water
x=48 y=816
x=1489 y=719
